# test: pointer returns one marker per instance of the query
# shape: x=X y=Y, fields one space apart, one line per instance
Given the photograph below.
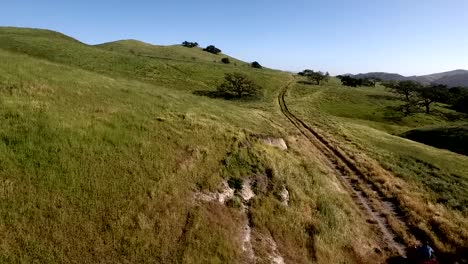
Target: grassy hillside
x=374 y=107
x=103 y=153
x=175 y=52
x=186 y=74
x=430 y=184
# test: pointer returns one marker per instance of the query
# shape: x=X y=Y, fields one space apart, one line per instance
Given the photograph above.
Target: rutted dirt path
x=376 y=208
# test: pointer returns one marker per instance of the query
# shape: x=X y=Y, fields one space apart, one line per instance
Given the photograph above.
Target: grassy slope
x=175 y=52
x=182 y=75
x=101 y=151
x=436 y=180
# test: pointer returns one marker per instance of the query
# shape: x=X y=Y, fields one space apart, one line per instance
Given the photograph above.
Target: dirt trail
x=353 y=179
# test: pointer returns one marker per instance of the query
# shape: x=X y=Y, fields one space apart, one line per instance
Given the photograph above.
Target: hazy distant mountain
x=381 y=75
x=451 y=78
x=460 y=79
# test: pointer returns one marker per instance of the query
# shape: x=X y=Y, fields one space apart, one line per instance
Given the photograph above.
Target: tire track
x=378 y=209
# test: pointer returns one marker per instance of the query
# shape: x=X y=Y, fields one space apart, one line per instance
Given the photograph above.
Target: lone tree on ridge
x=212 y=49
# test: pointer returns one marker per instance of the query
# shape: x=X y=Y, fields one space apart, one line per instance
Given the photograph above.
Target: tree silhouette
x=315 y=76
x=189 y=44
x=212 y=49
x=256 y=65
x=430 y=95
x=407 y=89
x=318 y=76
x=239 y=84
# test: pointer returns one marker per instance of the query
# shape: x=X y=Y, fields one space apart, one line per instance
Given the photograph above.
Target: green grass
x=174 y=52
x=101 y=152
x=371 y=106
x=360 y=115
x=430 y=183
x=179 y=72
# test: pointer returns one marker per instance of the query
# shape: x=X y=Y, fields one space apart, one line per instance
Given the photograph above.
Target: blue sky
x=405 y=36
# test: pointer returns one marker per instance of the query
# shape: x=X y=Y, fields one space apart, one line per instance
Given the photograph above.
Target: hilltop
x=172 y=52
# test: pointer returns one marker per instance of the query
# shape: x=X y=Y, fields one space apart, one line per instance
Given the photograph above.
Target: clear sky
x=341 y=36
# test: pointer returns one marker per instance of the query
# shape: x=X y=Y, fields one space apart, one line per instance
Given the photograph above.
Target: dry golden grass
x=102 y=151
x=417 y=178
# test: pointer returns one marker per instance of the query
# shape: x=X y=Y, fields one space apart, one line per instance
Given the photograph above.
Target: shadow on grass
x=397 y=260
x=226 y=96
x=383 y=97
x=306 y=82
x=213 y=94
x=453 y=138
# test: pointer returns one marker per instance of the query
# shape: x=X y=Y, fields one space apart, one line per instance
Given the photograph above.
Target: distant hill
x=451 y=78
x=454 y=80
x=381 y=75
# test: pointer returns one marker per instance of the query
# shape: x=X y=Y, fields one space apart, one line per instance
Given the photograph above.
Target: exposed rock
x=247 y=242
x=221 y=196
x=205 y=197
x=277 y=259
x=284 y=196
x=275 y=142
x=246 y=192
x=273 y=253
x=275 y=256
x=226 y=193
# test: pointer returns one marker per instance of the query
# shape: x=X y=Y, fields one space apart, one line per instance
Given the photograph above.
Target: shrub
x=235 y=183
x=315 y=76
x=212 y=49
x=256 y=65
x=319 y=77
x=347 y=80
x=225 y=60
x=305 y=72
x=189 y=44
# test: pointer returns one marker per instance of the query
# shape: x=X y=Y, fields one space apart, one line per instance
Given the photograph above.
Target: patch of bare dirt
x=226 y=193
x=247 y=241
x=222 y=196
x=246 y=194
x=275 y=142
x=266 y=241
x=284 y=196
